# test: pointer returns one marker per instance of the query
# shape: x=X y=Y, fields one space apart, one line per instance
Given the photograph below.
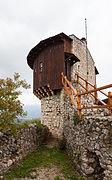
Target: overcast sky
x=23 y=23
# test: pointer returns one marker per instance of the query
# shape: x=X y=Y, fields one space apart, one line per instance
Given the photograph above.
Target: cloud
x=29 y=99
x=24 y=23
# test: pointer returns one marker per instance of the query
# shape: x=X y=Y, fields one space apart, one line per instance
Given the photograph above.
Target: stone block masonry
x=52 y=113
x=90 y=145
x=79 y=49
x=89 y=141
x=12 y=149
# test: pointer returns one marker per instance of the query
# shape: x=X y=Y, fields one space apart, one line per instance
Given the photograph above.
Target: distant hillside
x=33 y=111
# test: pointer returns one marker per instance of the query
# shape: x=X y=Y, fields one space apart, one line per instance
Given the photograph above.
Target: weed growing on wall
x=75 y=118
x=62 y=144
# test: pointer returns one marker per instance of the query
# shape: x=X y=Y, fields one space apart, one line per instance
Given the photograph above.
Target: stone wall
x=52 y=112
x=12 y=149
x=79 y=49
x=89 y=141
x=90 y=145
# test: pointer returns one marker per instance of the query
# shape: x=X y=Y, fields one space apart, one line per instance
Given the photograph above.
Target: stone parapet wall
x=90 y=145
x=89 y=141
x=13 y=149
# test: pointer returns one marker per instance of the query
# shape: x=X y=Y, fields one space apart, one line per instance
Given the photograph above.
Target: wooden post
x=86 y=84
x=110 y=101
x=96 y=94
x=70 y=92
x=77 y=77
x=65 y=85
x=79 y=104
x=62 y=78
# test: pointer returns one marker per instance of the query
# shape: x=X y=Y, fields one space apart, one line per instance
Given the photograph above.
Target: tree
x=10 y=106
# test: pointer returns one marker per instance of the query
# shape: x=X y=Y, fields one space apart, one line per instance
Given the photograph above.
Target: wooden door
x=68 y=69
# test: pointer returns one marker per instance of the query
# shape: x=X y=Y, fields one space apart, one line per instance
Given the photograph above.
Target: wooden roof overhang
x=96 y=71
x=70 y=56
x=43 y=44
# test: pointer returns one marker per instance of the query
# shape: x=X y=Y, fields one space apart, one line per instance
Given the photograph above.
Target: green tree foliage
x=10 y=106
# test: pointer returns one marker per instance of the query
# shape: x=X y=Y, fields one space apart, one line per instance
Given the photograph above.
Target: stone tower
x=48 y=59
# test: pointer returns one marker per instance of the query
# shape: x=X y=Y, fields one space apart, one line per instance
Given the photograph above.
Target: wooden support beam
x=48 y=91
x=96 y=94
x=86 y=84
x=51 y=91
x=70 y=92
x=38 y=94
x=44 y=91
x=41 y=91
x=65 y=85
x=77 y=77
x=62 y=78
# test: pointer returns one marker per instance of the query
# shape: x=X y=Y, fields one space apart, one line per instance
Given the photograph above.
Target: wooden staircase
x=93 y=91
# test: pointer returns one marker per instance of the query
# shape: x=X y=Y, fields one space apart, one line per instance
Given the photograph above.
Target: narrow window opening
x=78 y=67
x=41 y=66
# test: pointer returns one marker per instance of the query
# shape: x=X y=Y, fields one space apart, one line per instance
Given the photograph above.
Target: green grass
x=44 y=157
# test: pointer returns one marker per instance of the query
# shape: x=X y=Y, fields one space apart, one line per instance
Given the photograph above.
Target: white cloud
x=29 y=99
x=24 y=23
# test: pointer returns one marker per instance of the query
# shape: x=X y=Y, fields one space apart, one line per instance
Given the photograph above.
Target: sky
x=23 y=23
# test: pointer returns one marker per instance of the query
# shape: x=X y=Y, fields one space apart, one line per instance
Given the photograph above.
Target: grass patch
x=44 y=157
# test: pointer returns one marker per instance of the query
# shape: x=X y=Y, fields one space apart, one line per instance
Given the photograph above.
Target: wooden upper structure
x=49 y=59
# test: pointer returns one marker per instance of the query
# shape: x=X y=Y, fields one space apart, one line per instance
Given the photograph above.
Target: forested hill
x=33 y=111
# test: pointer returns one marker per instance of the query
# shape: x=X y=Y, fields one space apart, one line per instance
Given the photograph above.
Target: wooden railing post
x=62 y=78
x=65 y=85
x=79 y=104
x=96 y=94
x=77 y=78
x=86 y=85
x=70 y=92
x=110 y=101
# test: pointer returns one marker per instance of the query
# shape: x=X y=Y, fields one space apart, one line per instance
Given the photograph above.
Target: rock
x=87 y=170
x=10 y=162
x=109 y=167
x=1 y=134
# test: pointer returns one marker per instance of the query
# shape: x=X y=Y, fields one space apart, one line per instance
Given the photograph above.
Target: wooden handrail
x=78 y=76
x=84 y=80
x=69 y=92
x=103 y=93
x=74 y=91
x=77 y=104
x=94 y=95
x=97 y=89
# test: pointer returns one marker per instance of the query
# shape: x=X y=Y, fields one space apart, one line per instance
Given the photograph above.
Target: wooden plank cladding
x=49 y=65
x=48 y=59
